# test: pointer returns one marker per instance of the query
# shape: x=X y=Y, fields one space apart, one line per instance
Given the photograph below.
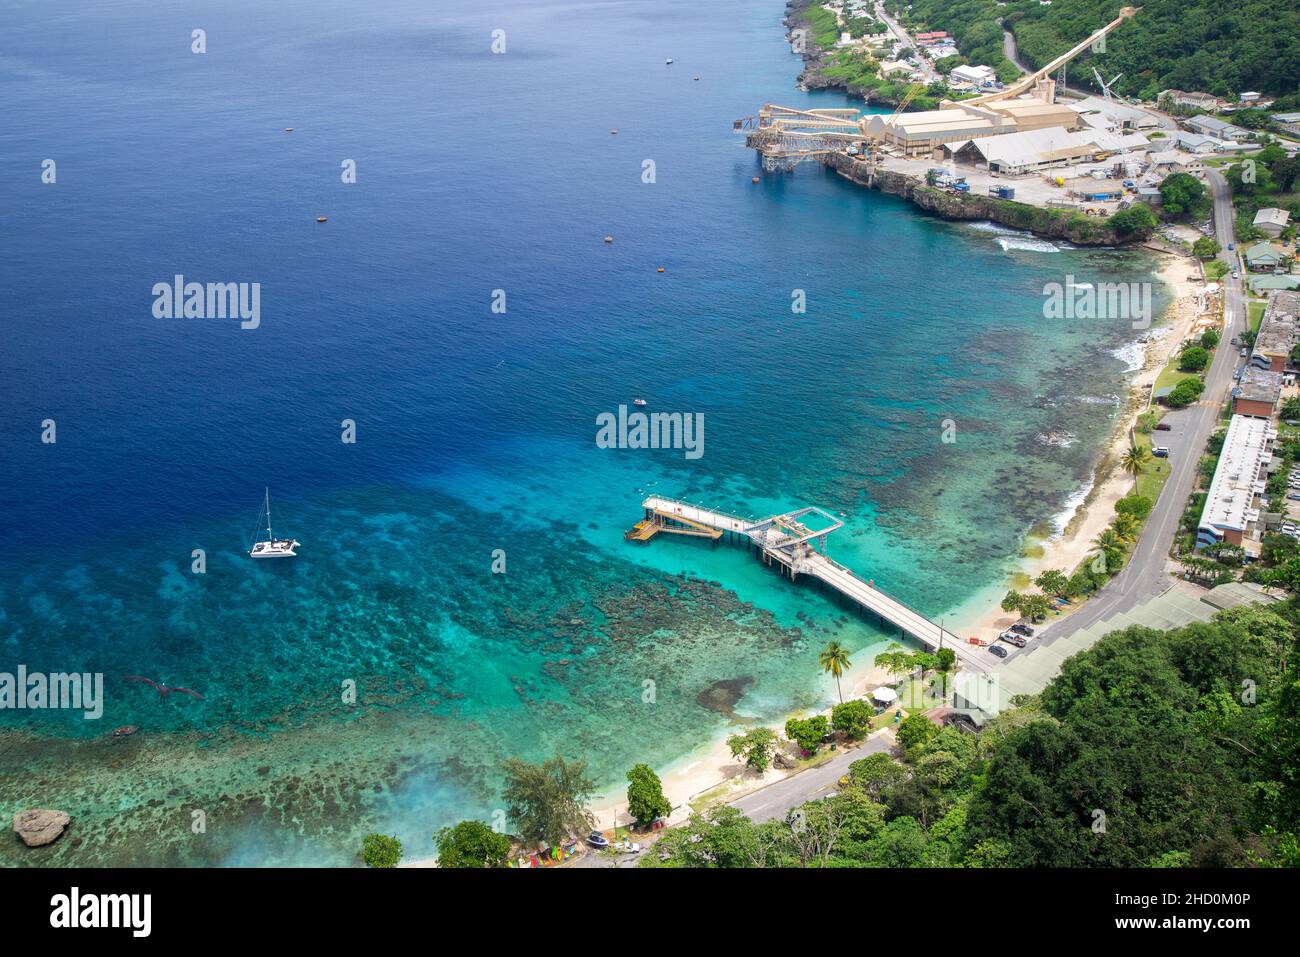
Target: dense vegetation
x=1175 y=748
x=857 y=70
x=1269 y=178
x=1171 y=44
x=972 y=23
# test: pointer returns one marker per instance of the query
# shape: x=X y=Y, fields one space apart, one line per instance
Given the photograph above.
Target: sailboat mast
x=269 y=536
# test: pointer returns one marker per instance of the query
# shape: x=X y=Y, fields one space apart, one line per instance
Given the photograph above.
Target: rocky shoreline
x=1045 y=223
x=811 y=76
x=814 y=59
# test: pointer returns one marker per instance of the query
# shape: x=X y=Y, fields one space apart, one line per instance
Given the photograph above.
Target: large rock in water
x=39 y=826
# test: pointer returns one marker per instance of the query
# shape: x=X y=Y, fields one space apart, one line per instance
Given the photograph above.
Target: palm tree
x=834 y=658
x=1110 y=546
x=1133 y=460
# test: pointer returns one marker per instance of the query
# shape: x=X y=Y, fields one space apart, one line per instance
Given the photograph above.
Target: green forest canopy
x=1151 y=749
x=1224 y=49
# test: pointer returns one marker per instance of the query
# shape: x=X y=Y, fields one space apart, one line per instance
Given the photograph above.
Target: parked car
x=1294 y=497
x=597 y=840
x=1231 y=247
x=1160 y=451
x=1163 y=427
x=1022 y=629
x=1011 y=638
x=998 y=650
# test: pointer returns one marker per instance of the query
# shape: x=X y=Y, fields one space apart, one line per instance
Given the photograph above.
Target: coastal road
x=777 y=800
x=1144 y=577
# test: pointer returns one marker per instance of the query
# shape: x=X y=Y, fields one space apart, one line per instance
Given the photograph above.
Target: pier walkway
x=790 y=542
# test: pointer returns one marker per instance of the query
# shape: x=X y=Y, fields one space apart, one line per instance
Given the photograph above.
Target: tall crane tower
x=1130 y=167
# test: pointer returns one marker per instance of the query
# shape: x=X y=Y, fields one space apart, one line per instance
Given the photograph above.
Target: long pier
x=789 y=543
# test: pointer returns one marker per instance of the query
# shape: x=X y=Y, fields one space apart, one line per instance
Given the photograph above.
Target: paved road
x=777 y=800
x=928 y=72
x=1144 y=576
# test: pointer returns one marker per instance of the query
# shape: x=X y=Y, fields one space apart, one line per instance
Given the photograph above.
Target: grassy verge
x=1171 y=375
x=1155 y=473
x=1255 y=313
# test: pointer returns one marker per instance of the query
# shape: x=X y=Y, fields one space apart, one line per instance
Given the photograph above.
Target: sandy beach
x=710 y=775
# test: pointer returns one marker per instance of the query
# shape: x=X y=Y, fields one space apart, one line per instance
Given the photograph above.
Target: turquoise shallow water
x=475 y=431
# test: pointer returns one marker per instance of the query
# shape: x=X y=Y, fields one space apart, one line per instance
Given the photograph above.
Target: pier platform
x=792 y=544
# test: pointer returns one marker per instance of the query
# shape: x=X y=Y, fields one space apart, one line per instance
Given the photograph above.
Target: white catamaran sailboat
x=272 y=547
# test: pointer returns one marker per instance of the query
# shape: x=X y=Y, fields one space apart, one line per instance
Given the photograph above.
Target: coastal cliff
x=1068 y=225
x=813 y=77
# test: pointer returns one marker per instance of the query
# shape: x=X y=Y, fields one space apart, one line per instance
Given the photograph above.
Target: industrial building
x=1288 y=122
x=1231 y=511
x=920 y=134
x=1098 y=111
x=1212 y=126
x=1016 y=154
x=973 y=76
x=1198 y=143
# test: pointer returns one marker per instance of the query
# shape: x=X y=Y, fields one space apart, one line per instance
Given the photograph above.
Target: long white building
x=1231 y=509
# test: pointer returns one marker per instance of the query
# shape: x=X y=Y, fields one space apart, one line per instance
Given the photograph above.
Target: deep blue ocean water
x=475 y=430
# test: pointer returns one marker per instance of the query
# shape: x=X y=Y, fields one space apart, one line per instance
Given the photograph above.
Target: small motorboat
x=321 y=219
x=669 y=60
x=638 y=401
